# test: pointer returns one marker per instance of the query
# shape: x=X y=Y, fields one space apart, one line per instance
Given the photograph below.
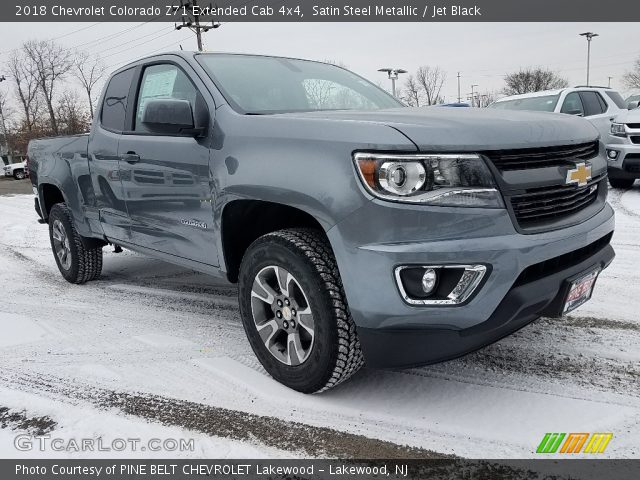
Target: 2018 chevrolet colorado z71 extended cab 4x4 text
x=356 y=228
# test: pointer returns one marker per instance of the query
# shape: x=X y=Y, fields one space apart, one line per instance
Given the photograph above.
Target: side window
x=603 y=103
x=163 y=81
x=572 y=104
x=591 y=103
x=114 y=105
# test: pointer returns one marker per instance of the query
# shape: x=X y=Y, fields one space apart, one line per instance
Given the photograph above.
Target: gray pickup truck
x=357 y=229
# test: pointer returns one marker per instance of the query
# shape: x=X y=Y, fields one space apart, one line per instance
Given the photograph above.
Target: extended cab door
x=104 y=161
x=166 y=178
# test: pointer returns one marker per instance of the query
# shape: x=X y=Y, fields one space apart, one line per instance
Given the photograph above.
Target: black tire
x=84 y=264
x=335 y=353
x=624 y=183
x=18 y=174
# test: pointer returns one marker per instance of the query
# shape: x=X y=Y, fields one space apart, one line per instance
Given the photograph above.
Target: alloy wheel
x=282 y=315
x=61 y=244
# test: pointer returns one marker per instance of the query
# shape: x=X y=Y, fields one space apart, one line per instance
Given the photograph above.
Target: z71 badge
x=194 y=223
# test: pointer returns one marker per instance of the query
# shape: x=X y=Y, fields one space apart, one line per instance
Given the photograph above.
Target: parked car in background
x=16 y=170
x=599 y=105
x=623 y=150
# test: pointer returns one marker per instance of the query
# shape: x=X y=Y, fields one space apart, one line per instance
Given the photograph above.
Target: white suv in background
x=599 y=105
x=623 y=149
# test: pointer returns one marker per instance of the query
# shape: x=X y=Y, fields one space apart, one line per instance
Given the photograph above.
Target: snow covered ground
x=155 y=351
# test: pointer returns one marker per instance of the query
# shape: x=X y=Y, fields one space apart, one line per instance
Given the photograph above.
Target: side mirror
x=169 y=116
x=633 y=105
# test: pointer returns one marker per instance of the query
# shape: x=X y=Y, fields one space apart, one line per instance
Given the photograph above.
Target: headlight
x=451 y=180
x=618 y=130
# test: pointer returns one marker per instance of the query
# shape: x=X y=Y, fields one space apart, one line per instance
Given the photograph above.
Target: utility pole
x=473 y=95
x=393 y=74
x=459 y=98
x=191 y=20
x=589 y=36
x=610 y=81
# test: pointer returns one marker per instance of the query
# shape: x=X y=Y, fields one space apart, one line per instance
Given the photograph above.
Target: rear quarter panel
x=62 y=162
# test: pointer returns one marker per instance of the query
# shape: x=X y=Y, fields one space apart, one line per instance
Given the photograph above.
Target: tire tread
x=316 y=249
x=89 y=259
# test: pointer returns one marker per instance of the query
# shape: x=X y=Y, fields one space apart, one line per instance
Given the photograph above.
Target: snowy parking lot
x=155 y=351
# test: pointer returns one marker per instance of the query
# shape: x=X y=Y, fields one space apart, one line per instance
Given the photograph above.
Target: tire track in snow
x=221 y=422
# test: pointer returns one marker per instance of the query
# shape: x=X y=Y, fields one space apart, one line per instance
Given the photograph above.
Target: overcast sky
x=482 y=52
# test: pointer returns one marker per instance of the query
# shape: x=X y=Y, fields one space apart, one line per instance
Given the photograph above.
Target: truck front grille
x=635 y=139
x=526 y=158
x=545 y=204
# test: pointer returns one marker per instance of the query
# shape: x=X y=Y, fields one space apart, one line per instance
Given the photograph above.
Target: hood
x=472 y=129
x=630 y=116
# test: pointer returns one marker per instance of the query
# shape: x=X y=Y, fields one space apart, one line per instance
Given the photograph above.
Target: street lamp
x=393 y=74
x=589 y=36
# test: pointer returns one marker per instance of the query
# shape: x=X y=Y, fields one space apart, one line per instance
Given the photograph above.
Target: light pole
x=393 y=74
x=589 y=36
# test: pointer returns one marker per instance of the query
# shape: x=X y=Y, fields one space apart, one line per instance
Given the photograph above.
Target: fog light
x=612 y=154
x=429 y=280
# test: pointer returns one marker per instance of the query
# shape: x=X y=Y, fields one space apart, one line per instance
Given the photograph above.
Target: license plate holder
x=580 y=290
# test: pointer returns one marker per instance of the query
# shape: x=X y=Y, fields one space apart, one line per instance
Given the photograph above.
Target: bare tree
x=50 y=62
x=533 y=80
x=632 y=78
x=72 y=118
x=89 y=71
x=26 y=87
x=431 y=79
x=412 y=94
x=5 y=113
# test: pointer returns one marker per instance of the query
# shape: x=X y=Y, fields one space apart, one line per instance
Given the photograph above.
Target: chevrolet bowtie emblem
x=579 y=175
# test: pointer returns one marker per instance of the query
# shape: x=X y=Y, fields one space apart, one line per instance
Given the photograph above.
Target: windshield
x=543 y=103
x=259 y=85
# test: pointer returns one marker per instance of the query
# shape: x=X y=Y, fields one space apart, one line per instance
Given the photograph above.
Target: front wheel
x=18 y=174
x=295 y=313
x=77 y=263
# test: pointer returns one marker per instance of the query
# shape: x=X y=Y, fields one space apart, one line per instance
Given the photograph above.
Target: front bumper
x=394 y=348
x=394 y=333
x=627 y=163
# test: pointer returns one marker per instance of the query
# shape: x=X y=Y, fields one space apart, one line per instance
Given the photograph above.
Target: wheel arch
x=244 y=221
x=49 y=194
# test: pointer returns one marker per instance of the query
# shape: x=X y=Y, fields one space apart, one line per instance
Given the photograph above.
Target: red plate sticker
x=580 y=291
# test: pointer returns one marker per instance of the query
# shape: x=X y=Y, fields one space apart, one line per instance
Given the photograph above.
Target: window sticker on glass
x=156 y=84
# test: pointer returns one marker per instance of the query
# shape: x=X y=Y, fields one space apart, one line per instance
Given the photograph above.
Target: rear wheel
x=624 y=183
x=295 y=313
x=77 y=263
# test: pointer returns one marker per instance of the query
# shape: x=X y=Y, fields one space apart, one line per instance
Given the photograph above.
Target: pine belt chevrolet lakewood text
x=358 y=230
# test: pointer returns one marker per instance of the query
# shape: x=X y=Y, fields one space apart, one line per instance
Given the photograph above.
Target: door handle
x=131 y=157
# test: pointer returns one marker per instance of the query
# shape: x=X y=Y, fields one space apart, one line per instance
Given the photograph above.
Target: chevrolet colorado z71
x=357 y=229
x=623 y=149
